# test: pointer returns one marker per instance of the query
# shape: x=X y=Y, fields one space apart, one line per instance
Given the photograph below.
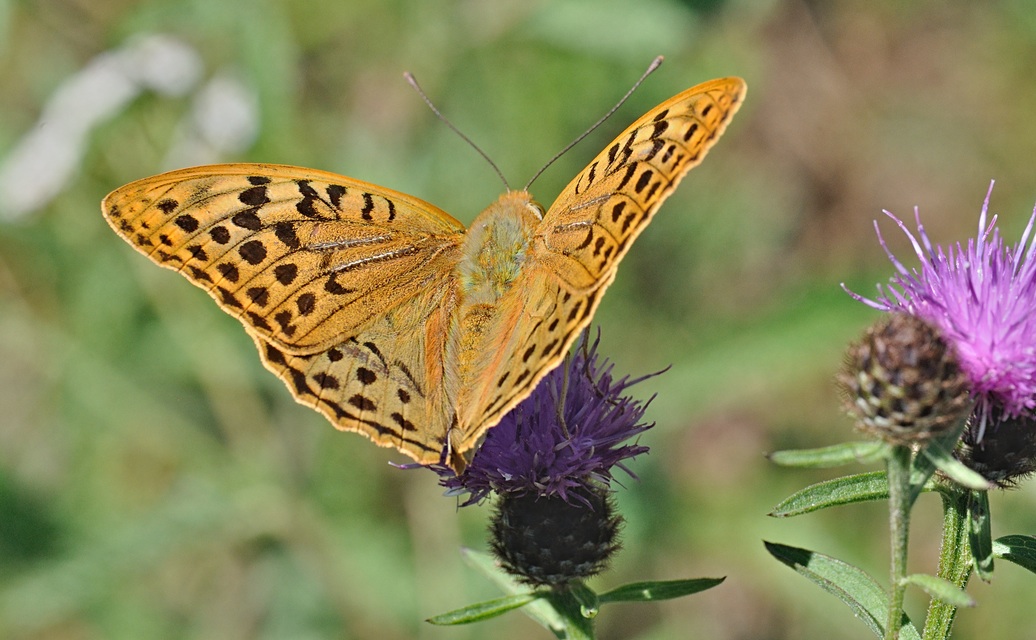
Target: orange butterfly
x=379 y=309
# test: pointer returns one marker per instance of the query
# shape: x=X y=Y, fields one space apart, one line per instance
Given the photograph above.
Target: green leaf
x=831 y=493
x=652 y=591
x=920 y=476
x=1019 y=549
x=942 y=589
x=851 y=585
x=540 y=610
x=980 y=533
x=833 y=456
x=484 y=610
x=954 y=469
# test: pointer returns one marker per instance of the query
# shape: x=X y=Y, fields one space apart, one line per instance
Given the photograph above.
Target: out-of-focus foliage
x=156 y=482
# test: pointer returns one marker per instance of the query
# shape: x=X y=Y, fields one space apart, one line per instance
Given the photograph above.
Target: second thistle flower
x=903 y=382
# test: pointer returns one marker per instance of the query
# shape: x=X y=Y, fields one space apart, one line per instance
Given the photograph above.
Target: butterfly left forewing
x=592 y=224
x=301 y=257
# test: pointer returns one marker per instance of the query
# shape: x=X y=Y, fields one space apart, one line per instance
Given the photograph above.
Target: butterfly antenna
x=438 y=114
x=651 y=68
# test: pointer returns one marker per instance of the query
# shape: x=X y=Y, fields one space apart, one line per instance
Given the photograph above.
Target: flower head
x=902 y=381
x=982 y=298
x=568 y=434
x=550 y=463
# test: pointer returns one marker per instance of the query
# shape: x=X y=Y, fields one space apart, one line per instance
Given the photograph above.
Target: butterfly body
x=379 y=309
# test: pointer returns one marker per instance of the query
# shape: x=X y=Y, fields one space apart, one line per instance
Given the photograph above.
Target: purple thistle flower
x=541 y=451
x=983 y=300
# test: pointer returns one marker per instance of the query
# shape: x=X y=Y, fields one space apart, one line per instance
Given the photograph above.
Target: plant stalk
x=954 y=561
x=898 y=466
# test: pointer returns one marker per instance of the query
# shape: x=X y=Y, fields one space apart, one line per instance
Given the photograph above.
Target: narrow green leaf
x=942 y=589
x=1019 y=549
x=652 y=591
x=833 y=456
x=954 y=469
x=980 y=533
x=845 y=490
x=920 y=476
x=936 y=455
x=851 y=585
x=540 y=610
x=483 y=610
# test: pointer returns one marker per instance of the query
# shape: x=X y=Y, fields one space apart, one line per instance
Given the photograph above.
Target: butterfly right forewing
x=595 y=220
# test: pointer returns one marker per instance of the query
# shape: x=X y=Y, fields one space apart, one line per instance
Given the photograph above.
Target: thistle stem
x=576 y=626
x=899 y=533
x=954 y=561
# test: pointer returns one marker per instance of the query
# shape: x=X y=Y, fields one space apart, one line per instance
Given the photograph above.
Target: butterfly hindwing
x=300 y=257
x=594 y=221
x=386 y=382
x=542 y=321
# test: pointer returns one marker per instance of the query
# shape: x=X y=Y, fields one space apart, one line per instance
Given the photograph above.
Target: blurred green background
x=157 y=482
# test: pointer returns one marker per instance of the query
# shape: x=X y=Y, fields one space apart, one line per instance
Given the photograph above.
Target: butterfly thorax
x=495 y=248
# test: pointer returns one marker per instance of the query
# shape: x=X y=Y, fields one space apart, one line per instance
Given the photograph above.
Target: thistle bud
x=551 y=541
x=902 y=381
x=1006 y=452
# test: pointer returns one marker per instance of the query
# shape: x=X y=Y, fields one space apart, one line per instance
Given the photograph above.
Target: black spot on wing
x=326 y=380
x=403 y=423
x=630 y=170
x=617 y=210
x=254 y=196
x=247 y=220
x=228 y=298
x=219 y=234
x=306 y=303
x=285 y=232
x=363 y=403
x=258 y=321
x=335 y=192
x=258 y=295
x=229 y=271
x=691 y=130
x=373 y=348
x=334 y=287
x=186 y=221
x=198 y=274
x=368 y=207
x=643 y=180
x=286 y=273
x=253 y=252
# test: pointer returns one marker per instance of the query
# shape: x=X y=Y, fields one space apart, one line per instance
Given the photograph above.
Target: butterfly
x=380 y=310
